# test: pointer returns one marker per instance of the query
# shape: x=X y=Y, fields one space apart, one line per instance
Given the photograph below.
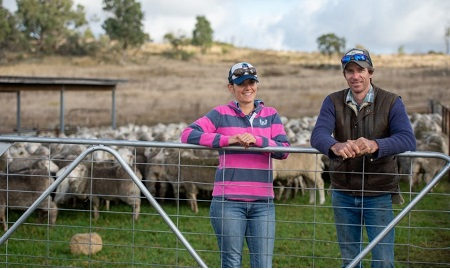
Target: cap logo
x=355 y=52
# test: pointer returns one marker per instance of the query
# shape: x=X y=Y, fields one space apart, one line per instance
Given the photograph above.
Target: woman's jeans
x=351 y=213
x=234 y=221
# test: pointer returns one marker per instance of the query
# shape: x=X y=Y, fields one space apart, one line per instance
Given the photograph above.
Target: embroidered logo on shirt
x=263 y=122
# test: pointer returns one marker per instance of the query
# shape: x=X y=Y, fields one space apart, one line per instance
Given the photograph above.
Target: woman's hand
x=245 y=139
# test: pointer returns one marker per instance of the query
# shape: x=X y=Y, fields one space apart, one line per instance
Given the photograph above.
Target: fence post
x=446 y=125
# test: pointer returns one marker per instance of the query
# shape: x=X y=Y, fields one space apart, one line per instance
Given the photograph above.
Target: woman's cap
x=242 y=71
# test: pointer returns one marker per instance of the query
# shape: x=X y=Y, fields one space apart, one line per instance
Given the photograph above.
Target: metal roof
x=18 y=84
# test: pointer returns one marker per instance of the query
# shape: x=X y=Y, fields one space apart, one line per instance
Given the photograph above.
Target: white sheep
x=153 y=172
x=286 y=185
x=106 y=181
x=308 y=166
x=424 y=169
x=19 y=149
x=184 y=171
x=20 y=191
x=19 y=164
x=428 y=131
x=70 y=187
x=128 y=156
x=41 y=151
x=193 y=175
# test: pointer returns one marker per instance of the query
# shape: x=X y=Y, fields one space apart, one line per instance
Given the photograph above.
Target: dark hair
x=369 y=69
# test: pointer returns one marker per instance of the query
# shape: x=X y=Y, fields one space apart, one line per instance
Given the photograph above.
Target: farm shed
x=18 y=84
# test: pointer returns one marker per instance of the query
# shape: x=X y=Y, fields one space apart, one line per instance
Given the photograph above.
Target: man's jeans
x=351 y=214
x=234 y=221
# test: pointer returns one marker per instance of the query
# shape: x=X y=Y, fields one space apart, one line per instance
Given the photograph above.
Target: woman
x=242 y=206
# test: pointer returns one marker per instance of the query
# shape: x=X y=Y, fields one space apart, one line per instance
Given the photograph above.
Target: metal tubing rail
x=102 y=142
x=13 y=139
x=130 y=172
x=408 y=207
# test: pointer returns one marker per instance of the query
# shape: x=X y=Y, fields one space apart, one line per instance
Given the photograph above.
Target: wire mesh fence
x=151 y=208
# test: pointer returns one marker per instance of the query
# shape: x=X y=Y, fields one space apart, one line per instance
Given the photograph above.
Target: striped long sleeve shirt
x=240 y=175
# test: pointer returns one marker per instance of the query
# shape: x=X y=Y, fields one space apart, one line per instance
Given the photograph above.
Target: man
x=360 y=129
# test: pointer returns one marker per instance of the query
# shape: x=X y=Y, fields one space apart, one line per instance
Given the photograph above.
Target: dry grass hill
x=166 y=90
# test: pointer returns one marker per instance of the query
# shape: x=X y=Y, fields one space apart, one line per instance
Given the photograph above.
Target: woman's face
x=244 y=92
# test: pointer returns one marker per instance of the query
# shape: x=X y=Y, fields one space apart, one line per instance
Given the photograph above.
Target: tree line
x=57 y=27
x=42 y=27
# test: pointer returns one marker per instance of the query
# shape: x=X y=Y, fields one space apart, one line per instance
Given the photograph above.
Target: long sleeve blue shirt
x=401 y=137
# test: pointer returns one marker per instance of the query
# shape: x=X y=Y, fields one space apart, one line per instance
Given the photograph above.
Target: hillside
x=167 y=90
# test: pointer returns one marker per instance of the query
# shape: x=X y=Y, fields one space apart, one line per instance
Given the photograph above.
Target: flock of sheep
x=28 y=169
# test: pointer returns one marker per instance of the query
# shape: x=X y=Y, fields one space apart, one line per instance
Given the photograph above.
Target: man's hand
x=346 y=149
x=354 y=148
x=366 y=146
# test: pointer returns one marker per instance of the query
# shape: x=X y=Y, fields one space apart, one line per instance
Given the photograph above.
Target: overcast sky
x=381 y=26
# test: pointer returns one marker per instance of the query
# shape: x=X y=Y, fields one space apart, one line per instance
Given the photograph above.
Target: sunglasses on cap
x=356 y=57
x=242 y=71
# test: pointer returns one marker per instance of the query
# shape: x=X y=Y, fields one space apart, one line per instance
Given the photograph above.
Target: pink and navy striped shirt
x=241 y=175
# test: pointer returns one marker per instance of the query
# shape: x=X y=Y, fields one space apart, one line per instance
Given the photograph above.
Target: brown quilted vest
x=364 y=175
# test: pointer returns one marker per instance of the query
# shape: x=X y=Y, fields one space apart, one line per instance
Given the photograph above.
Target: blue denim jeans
x=351 y=214
x=234 y=221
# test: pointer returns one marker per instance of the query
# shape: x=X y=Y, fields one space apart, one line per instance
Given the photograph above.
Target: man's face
x=358 y=78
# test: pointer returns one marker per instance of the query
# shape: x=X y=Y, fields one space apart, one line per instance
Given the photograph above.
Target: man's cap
x=358 y=56
x=248 y=72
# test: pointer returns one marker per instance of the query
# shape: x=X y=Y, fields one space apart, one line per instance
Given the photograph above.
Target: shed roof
x=22 y=83
x=17 y=83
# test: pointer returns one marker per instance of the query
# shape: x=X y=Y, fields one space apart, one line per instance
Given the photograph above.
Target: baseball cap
x=242 y=71
x=358 y=56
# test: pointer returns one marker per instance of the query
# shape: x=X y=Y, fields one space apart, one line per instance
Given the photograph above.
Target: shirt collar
x=257 y=102
x=367 y=99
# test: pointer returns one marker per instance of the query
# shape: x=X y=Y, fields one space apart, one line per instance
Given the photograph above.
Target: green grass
x=306 y=237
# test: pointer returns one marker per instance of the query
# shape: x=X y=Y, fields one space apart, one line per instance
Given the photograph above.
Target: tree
x=6 y=28
x=177 y=41
x=202 y=35
x=49 y=23
x=125 y=25
x=447 y=40
x=330 y=43
x=11 y=39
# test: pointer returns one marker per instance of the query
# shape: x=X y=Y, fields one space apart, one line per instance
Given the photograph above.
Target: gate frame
x=99 y=144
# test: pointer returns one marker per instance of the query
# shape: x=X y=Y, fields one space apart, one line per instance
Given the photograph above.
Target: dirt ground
x=161 y=90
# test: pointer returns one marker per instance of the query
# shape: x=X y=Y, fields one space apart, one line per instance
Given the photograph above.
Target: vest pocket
x=338 y=170
x=382 y=172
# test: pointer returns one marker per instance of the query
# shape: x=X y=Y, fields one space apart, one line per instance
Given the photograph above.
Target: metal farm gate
x=168 y=233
